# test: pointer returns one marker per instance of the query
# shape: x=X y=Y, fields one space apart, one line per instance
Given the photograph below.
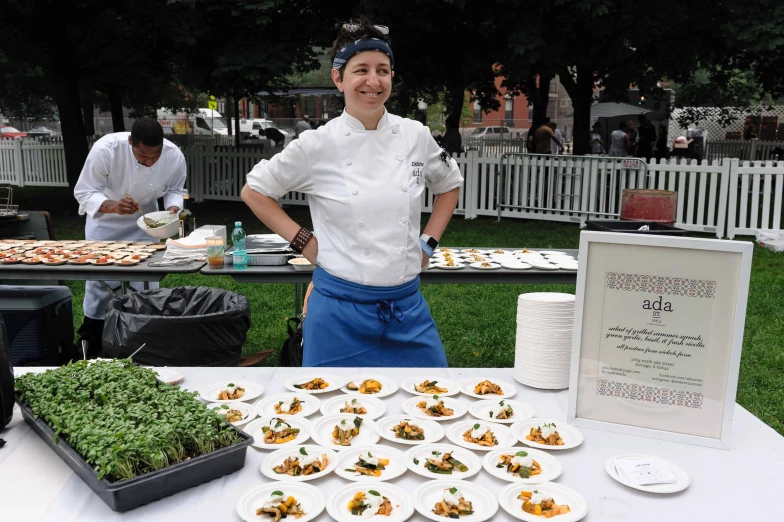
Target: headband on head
x=352 y=49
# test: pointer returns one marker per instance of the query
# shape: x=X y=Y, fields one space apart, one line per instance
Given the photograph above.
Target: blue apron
x=352 y=325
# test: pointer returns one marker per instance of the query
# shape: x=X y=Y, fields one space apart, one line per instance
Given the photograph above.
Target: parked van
x=202 y=122
x=258 y=126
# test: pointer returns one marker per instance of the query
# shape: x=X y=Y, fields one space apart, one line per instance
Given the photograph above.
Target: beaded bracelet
x=300 y=240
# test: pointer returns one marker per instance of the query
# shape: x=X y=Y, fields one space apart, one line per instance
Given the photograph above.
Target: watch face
x=432 y=243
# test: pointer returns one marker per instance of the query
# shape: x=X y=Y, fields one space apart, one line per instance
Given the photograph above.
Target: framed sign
x=658 y=334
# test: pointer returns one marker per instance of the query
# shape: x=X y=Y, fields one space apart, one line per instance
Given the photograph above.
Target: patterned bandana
x=357 y=46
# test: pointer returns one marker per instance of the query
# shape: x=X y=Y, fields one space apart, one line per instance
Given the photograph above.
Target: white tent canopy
x=613 y=109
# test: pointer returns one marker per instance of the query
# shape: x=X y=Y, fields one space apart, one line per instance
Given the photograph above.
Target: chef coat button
x=400 y=279
x=404 y=188
x=355 y=192
x=395 y=130
x=348 y=133
x=403 y=221
x=348 y=162
x=400 y=158
x=367 y=282
x=367 y=252
x=361 y=224
x=402 y=249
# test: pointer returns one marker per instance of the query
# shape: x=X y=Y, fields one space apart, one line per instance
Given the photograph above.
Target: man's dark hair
x=147 y=131
x=546 y=120
x=364 y=29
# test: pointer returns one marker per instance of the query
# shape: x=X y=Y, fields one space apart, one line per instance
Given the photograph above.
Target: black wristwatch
x=429 y=241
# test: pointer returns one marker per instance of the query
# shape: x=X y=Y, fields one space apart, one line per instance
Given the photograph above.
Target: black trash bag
x=291 y=351
x=184 y=326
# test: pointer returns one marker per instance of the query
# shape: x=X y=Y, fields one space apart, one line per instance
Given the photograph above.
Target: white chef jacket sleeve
x=176 y=188
x=287 y=171
x=442 y=173
x=89 y=189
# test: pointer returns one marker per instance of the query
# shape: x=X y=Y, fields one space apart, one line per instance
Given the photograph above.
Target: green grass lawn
x=477 y=322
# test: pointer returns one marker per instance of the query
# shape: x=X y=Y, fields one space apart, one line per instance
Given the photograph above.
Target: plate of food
x=523 y=465
x=127 y=262
x=54 y=262
x=276 y=432
x=375 y=385
x=436 y=461
x=547 y=434
x=79 y=261
x=454 y=499
x=680 y=474
x=12 y=260
x=505 y=411
x=477 y=258
x=431 y=385
x=487 y=388
x=231 y=391
x=32 y=260
x=480 y=435
x=340 y=432
x=288 y=404
x=103 y=260
x=299 y=463
x=475 y=251
x=448 y=265
x=378 y=501
x=237 y=413
x=302 y=502
x=485 y=265
x=366 y=407
x=315 y=383
x=534 y=503
x=434 y=407
x=370 y=464
x=405 y=429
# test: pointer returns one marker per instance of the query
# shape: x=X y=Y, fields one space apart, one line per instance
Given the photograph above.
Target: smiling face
x=366 y=85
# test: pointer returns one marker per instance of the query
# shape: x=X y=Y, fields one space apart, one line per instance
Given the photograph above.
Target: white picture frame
x=707 y=421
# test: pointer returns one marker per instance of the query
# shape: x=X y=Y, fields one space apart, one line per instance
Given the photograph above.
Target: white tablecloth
x=745 y=483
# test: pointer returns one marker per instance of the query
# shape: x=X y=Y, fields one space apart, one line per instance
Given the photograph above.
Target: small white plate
x=388 y=386
x=553 y=253
x=447 y=250
x=570 y=268
x=450 y=385
x=254 y=430
x=309 y=497
x=683 y=477
x=571 y=436
x=210 y=393
x=278 y=457
x=493 y=266
x=402 y=506
x=428 y=451
x=515 y=265
x=501 y=432
x=481 y=410
x=561 y=495
x=551 y=468
x=266 y=406
x=248 y=411
x=499 y=252
x=542 y=266
x=322 y=431
x=433 y=430
x=374 y=406
x=443 y=266
x=479 y=251
x=349 y=457
x=482 y=501
x=334 y=382
x=477 y=258
x=169 y=375
x=411 y=408
x=467 y=388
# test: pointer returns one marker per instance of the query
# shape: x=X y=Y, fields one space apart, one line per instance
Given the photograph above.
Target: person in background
x=597 y=143
x=619 y=141
x=544 y=137
x=646 y=138
x=364 y=173
x=750 y=132
x=123 y=176
x=662 y=150
x=558 y=139
x=632 y=132
x=302 y=126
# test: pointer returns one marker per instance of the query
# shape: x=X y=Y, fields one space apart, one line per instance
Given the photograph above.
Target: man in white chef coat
x=140 y=164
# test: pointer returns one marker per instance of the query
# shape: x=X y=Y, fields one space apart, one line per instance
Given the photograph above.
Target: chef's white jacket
x=365 y=191
x=111 y=171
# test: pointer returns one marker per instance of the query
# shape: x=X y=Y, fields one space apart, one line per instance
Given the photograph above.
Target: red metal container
x=659 y=206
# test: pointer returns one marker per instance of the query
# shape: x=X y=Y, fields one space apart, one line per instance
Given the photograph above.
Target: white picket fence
x=720 y=197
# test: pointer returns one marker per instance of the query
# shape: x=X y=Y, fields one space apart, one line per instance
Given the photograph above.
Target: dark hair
x=365 y=29
x=554 y=125
x=147 y=131
x=546 y=120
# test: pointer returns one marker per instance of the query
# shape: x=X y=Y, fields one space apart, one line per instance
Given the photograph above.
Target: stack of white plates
x=543 y=349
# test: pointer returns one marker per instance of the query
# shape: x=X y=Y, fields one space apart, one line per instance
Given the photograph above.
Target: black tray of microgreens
x=131 y=438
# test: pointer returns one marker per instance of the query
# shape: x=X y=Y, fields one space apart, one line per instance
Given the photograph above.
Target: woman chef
x=140 y=164
x=364 y=174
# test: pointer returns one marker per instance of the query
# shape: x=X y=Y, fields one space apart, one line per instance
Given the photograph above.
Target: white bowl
x=300 y=263
x=166 y=231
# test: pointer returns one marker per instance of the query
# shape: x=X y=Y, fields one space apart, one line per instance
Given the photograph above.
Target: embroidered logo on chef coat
x=416 y=171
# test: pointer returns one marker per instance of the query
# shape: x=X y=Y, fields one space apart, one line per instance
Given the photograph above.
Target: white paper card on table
x=645 y=471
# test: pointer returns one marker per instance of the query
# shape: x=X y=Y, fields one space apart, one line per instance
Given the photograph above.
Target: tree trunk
x=88 y=111
x=115 y=101
x=581 y=93
x=237 y=121
x=229 y=112
x=541 y=100
x=69 y=107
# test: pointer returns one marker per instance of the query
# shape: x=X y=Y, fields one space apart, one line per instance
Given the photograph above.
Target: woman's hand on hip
x=311 y=250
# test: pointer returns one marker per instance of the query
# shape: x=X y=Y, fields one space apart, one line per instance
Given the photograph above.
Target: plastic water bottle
x=240 y=254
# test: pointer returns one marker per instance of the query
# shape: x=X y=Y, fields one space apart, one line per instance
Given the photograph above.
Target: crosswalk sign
x=212 y=103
